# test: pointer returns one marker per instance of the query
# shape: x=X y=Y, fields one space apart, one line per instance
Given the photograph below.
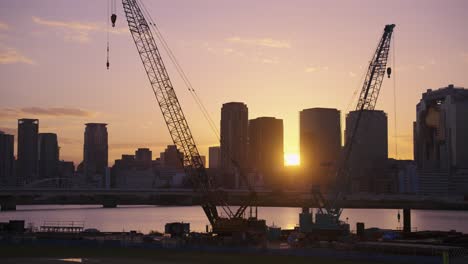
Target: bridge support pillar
x=109 y=202
x=406 y=221
x=8 y=204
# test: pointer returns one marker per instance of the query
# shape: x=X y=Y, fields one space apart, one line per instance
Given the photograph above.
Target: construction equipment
x=328 y=210
x=232 y=221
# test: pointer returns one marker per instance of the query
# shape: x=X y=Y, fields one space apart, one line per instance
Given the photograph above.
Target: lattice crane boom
x=367 y=101
x=171 y=109
x=375 y=72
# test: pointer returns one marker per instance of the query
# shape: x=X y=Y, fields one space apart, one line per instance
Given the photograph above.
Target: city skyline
x=67 y=65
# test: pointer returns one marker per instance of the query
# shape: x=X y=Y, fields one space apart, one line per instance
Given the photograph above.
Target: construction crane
x=179 y=130
x=328 y=209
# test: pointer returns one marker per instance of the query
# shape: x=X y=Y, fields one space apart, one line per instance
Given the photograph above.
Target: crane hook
x=113 y=19
x=389 y=72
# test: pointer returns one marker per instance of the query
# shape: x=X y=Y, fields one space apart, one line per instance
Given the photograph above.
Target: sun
x=292 y=159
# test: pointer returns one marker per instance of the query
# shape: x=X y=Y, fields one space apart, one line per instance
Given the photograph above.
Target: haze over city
x=276 y=57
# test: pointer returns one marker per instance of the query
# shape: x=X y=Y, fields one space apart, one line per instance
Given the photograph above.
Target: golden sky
x=278 y=57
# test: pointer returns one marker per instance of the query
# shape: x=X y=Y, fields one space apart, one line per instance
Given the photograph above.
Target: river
x=147 y=218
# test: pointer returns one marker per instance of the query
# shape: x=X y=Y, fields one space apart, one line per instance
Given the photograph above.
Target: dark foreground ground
x=20 y=254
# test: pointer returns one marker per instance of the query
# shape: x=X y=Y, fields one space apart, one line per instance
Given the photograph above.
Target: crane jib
x=171 y=110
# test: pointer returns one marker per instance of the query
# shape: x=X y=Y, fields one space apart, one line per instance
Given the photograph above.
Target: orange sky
x=278 y=57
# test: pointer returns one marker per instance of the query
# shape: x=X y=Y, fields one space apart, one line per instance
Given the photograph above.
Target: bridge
x=10 y=198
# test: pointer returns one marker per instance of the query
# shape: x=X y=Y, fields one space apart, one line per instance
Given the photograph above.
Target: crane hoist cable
x=395 y=134
x=181 y=72
x=152 y=24
x=107 y=32
x=195 y=96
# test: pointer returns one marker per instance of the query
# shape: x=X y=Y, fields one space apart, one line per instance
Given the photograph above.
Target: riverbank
x=57 y=254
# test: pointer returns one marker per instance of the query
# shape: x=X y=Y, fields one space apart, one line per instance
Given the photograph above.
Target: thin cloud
x=4 y=26
x=464 y=56
x=270 y=60
x=76 y=31
x=9 y=55
x=8 y=130
x=16 y=113
x=316 y=69
x=264 y=42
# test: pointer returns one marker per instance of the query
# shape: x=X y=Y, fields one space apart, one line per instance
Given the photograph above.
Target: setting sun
x=292 y=159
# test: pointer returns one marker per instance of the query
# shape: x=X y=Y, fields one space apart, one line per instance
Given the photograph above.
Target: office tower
x=143 y=154
x=320 y=144
x=7 y=160
x=172 y=157
x=95 y=156
x=27 y=150
x=234 y=136
x=441 y=141
x=214 y=156
x=266 y=155
x=369 y=153
x=48 y=155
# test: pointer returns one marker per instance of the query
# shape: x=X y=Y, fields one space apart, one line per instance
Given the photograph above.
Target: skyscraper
x=7 y=160
x=441 y=142
x=95 y=154
x=234 y=140
x=234 y=135
x=214 y=156
x=266 y=155
x=27 y=150
x=369 y=154
x=48 y=155
x=320 y=144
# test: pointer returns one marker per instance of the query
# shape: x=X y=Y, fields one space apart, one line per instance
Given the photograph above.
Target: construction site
x=239 y=229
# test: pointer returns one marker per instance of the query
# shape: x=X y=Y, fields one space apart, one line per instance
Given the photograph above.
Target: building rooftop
x=321 y=109
x=444 y=91
x=96 y=124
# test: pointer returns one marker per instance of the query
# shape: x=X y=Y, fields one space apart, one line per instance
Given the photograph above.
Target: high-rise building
x=48 y=155
x=143 y=154
x=369 y=153
x=7 y=160
x=320 y=144
x=95 y=156
x=27 y=150
x=171 y=157
x=441 y=141
x=214 y=156
x=234 y=140
x=266 y=148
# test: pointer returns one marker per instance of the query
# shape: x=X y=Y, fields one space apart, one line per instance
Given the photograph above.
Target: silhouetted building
x=369 y=153
x=214 y=156
x=48 y=155
x=66 y=169
x=143 y=154
x=7 y=160
x=266 y=148
x=172 y=157
x=27 y=150
x=95 y=150
x=130 y=173
x=320 y=144
x=234 y=140
x=441 y=141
